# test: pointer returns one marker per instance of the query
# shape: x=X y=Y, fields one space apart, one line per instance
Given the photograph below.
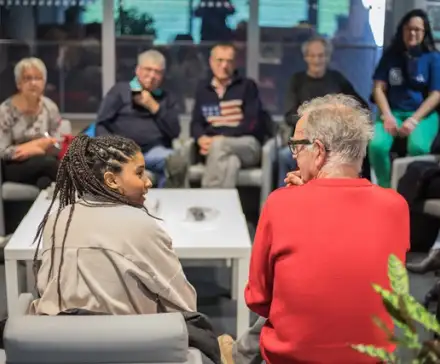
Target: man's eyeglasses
x=158 y=72
x=293 y=145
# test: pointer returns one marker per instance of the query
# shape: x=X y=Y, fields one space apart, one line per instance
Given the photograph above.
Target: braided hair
x=81 y=172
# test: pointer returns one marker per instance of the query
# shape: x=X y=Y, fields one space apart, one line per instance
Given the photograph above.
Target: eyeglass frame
x=293 y=143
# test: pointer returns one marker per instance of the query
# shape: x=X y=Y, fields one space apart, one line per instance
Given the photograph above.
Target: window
x=69 y=43
x=352 y=26
x=184 y=31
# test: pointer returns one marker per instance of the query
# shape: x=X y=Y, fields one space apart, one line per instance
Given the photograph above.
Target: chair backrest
x=65 y=127
x=160 y=338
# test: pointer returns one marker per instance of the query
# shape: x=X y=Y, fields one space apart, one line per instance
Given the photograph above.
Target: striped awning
x=45 y=2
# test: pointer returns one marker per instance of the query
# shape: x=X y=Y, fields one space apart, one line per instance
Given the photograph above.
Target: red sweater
x=317 y=250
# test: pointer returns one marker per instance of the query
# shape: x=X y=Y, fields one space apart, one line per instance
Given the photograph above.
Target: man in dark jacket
x=228 y=121
x=316 y=81
x=142 y=111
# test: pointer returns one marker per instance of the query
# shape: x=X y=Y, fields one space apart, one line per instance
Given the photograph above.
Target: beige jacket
x=116 y=258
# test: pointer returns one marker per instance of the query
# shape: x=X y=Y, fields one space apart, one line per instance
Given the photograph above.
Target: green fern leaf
x=379 y=323
x=392 y=303
x=419 y=313
x=389 y=296
x=374 y=352
x=409 y=338
x=398 y=275
x=403 y=309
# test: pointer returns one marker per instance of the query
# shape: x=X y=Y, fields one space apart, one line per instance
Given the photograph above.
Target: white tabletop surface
x=225 y=236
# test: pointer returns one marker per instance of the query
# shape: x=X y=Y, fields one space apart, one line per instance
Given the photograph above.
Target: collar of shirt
x=219 y=88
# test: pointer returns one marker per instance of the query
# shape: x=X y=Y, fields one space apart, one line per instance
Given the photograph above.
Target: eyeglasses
x=293 y=145
x=156 y=71
x=414 y=29
x=29 y=79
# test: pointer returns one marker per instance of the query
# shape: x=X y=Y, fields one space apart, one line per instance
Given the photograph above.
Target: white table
x=225 y=237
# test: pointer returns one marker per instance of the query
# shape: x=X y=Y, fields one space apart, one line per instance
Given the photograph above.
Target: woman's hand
x=27 y=150
x=408 y=126
x=45 y=143
x=390 y=124
x=293 y=179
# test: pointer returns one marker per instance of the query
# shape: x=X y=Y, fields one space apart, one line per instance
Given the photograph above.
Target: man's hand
x=408 y=126
x=146 y=100
x=293 y=179
x=204 y=143
x=27 y=150
x=390 y=124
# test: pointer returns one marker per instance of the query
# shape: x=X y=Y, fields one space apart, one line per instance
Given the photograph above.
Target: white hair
x=341 y=124
x=29 y=63
x=152 y=56
x=327 y=45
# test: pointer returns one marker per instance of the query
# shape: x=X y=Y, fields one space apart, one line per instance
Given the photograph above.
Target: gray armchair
x=401 y=164
x=11 y=191
x=160 y=338
x=259 y=177
x=431 y=206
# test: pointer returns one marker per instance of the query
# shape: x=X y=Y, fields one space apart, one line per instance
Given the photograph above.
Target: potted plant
x=405 y=312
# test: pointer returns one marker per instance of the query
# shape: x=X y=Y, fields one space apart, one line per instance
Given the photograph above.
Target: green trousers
x=419 y=143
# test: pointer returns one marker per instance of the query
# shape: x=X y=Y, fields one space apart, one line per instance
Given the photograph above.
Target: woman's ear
x=111 y=181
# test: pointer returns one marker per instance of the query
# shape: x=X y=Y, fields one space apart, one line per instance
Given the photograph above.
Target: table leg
x=243 y=314
x=12 y=286
x=234 y=281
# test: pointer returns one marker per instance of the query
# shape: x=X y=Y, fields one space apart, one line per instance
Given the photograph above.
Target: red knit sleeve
x=258 y=293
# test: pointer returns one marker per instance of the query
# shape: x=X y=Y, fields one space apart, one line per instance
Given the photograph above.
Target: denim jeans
x=155 y=161
x=286 y=163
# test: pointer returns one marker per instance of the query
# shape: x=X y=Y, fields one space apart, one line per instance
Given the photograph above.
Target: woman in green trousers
x=407 y=92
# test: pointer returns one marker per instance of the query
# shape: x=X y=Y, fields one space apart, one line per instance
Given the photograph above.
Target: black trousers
x=40 y=171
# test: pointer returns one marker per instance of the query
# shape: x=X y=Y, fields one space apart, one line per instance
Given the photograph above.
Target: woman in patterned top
x=29 y=125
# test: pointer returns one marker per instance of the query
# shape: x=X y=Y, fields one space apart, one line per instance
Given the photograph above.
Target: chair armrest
x=24 y=301
x=194 y=356
x=65 y=127
x=189 y=151
x=401 y=164
x=268 y=157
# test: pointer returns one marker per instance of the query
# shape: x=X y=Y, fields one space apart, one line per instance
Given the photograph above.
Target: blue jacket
x=118 y=114
x=239 y=112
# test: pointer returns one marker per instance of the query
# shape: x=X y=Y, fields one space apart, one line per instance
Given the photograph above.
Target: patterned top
x=17 y=128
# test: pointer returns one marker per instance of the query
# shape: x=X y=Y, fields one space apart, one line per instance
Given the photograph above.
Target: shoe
x=226 y=344
x=432 y=295
x=429 y=264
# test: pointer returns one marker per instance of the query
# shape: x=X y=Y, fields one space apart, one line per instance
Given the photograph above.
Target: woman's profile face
x=31 y=82
x=413 y=32
x=132 y=181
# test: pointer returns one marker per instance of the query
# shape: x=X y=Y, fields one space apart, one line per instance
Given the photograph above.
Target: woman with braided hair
x=102 y=251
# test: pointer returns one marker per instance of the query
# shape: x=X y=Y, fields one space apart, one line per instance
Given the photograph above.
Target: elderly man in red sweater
x=320 y=246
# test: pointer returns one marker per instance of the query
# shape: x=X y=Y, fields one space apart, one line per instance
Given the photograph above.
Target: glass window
x=433 y=10
x=184 y=31
x=66 y=40
x=353 y=26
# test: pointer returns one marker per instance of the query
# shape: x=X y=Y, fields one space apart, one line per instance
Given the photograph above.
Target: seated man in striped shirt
x=227 y=121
